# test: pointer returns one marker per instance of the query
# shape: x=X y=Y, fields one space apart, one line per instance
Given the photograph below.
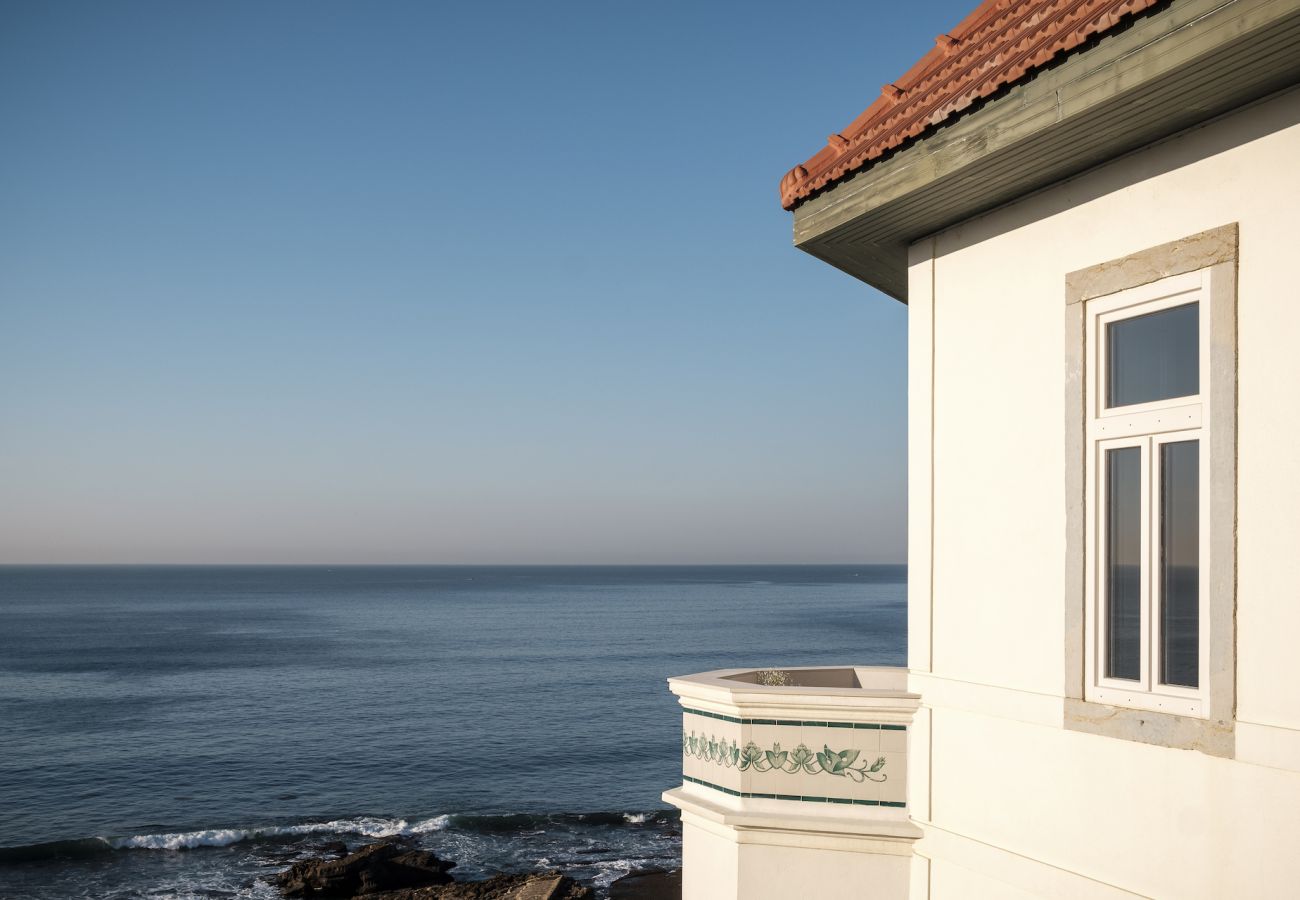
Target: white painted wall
x=723 y=862
x=1016 y=804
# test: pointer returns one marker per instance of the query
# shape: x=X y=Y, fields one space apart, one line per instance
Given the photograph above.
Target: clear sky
x=439 y=282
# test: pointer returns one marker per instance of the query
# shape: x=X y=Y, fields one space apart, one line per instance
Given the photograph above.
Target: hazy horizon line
x=588 y=565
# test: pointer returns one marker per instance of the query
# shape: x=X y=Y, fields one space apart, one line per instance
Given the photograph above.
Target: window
x=1150 y=482
x=1146 y=494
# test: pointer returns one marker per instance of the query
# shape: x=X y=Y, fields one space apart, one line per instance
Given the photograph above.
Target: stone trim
x=870 y=726
x=1216 y=250
x=802 y=798
x=885 y=831
x=1148 y=727
x=1197 y=251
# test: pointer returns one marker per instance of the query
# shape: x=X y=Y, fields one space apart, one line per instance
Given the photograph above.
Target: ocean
x=184 y=731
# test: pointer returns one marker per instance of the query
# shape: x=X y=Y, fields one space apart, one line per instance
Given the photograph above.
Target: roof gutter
x=1166 y=72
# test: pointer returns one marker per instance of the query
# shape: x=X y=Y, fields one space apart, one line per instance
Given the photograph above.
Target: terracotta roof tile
x=999 y=43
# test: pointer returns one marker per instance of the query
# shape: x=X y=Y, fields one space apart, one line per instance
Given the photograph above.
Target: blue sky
x=445 y=283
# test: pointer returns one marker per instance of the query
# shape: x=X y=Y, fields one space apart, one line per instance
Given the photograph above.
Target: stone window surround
x=1216 y=249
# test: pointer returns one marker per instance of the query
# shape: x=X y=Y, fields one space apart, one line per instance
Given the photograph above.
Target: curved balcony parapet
x=798 y=745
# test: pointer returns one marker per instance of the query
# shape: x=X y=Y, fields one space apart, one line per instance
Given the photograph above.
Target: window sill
x=1145 y=726
x=1148 y=701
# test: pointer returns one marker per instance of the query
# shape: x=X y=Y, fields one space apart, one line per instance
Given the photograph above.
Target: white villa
x=1092 y=211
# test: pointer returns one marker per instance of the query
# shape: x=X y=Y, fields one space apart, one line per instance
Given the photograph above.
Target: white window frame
x=1148 y=426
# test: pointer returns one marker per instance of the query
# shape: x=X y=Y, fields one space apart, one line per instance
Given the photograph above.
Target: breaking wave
x=365 y=826
x=373 y=827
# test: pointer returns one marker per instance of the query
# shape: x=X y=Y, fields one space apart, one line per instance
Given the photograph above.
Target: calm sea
x=184 y=731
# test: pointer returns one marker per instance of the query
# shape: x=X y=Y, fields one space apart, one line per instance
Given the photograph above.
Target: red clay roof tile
x=999 y=43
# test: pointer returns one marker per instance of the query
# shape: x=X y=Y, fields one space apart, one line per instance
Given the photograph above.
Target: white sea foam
x=635 y=818
x=610 y=870
x=367 y=826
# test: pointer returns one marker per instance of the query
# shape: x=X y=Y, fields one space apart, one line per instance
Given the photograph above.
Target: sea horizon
x=511 y=565
x=198 y=726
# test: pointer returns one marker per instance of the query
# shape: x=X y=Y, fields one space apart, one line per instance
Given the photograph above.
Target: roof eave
x=1165 y=73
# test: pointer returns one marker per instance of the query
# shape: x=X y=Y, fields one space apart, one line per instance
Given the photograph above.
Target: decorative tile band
x=758 y=796
x=793 y=762
x=867 y=726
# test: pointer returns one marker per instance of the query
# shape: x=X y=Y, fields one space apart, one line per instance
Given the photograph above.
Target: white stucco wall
x=720 y=862
x=1013 y=801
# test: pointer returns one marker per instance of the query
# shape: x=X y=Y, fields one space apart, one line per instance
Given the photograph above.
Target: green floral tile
x=802 y=759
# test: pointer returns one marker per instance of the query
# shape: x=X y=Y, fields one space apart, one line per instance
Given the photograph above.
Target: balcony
x=785 y=770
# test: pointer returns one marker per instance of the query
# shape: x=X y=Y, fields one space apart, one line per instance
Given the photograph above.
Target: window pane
x=1153 y=357
x=1180 y=569
x=1123 y=562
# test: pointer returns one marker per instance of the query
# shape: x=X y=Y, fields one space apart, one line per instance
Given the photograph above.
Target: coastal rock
x=374 y=869
x=392 y=870
x=648 y=884
x=545 y=886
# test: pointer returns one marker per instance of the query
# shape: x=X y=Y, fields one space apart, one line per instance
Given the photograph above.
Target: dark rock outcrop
x=648 y=884
x=546 y=886
x=393 y=870
x=374 y=869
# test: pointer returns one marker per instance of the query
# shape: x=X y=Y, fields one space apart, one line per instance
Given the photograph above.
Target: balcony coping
x=777 y=816
x=882 y=697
